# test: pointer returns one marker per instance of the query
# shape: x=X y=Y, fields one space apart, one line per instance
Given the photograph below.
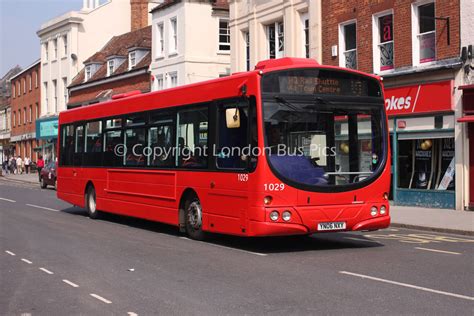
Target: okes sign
x=423 y=98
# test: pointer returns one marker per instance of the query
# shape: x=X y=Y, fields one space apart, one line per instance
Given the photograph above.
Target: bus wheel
x=91 y=205
x=193 y=217
x=43 y=184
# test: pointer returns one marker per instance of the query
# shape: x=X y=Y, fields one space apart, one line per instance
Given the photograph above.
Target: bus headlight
x=383 y=210
x=373 y=211
x=274 y=216
x=286 y=216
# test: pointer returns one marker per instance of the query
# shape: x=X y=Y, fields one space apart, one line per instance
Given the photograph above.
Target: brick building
x=415 y=46
x=120 y=66
x=25 y=109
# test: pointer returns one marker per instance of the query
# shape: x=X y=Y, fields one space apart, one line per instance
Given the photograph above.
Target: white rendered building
x=265 y=29
x=191 y=42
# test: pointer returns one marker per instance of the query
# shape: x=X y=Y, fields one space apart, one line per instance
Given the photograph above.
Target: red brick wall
x=141 y=82
x=336 y=12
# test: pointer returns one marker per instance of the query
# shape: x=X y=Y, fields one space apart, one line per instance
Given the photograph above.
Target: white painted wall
x=254 y=15
x=88 y=30
x=197 y=57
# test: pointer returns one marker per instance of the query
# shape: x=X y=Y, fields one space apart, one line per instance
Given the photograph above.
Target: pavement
x=440 y=220
x=54 y=260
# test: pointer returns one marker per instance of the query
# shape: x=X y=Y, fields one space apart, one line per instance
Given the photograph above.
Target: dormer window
x=88 y=72
x=110 y=67
x=132 y=60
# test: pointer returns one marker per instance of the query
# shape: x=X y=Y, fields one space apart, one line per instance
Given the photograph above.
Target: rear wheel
x=43 y=183
x=91 y=205
x=193 y=218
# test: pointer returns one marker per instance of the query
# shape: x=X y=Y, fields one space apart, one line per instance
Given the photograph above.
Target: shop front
x=47 y=132
x=468 y=118
x=421 y=120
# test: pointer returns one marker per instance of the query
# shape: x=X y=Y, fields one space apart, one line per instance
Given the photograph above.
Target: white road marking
x=26 y=260
x=360 y=239
x=100 y=298
x=225 y=247
x=46 y=270
x=440 y=251
x=391 y=229
x=470 y=298
x=8 y=200
x=44 y=208
x=132 y=314
x=70 y=283
x=10 y=253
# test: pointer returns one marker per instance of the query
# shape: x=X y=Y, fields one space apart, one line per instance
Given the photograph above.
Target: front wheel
x=43 y=184
x=91 y=205
x=193 y=217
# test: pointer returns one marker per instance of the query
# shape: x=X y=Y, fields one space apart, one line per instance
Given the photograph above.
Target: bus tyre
x=43 y=184
x=193 y=218
x=91 y=205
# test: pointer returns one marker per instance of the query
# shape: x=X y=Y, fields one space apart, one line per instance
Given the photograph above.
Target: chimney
x=139 y=14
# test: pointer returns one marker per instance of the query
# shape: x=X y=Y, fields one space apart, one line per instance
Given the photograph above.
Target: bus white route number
x=274 y=186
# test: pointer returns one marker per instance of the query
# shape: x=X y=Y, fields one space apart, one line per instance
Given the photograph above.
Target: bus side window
x=67 y=145
x=192 y=138
x=113 y=148
x=93 y=146
x=135 y=145
x=78 y=145
x=161 y=140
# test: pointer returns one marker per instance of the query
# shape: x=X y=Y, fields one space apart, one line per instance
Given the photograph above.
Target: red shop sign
x=422 y=98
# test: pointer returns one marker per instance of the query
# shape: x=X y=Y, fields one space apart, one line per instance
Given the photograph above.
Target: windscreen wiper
x=283 y=101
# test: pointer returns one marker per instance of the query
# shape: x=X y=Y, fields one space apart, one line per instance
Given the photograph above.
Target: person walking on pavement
x=39 y=166
x=27 y=164
x=19 y=165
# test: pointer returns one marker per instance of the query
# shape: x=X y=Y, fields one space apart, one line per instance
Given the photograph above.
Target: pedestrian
x=5 y=166
x=19 y=165
x=14 y=170
x=10 y=165
x=39 y=166
x=27 y=165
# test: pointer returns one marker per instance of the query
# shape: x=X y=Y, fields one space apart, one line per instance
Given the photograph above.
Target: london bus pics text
x=291 y=148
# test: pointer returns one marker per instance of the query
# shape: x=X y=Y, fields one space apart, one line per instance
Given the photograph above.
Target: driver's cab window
x=236 y=135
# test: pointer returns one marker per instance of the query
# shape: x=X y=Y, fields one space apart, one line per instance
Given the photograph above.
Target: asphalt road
x=54 y=260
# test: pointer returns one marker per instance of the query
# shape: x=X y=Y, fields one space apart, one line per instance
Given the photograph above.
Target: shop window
x=192 y=147
x=426 y=164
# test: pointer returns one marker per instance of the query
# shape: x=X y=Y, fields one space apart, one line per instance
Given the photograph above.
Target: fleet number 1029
x=273 y=186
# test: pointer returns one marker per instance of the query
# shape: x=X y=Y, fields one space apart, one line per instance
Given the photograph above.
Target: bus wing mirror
x=232 y=118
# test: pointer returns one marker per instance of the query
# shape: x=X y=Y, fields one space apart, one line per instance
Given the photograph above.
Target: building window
x=132 y=60
x=224 y=35
x=55 y=96
x=159 y=82
x=31 y=114
x=36 y=80
x=276 y=40
x=383 y=42
x=46 y=51
x=37 y=114
x=55 y=48
x=305 y=21
x=65 y=45
x=14 y=118
x=29 y=82
x=65 y=90
x=24 y=116
x=18 y=88
x=110 y=67
x=13 y=90
x=425 y=33
x=174 y=35
x=173 y=79
x=247 y=50
x=160 y=43
x=348 y=45
x=24 y=85
x=88 y=72
x=45 y=85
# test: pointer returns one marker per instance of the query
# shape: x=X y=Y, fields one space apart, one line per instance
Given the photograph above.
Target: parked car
x=48 y=175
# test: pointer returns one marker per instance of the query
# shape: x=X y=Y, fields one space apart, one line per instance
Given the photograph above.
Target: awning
x=466 y=119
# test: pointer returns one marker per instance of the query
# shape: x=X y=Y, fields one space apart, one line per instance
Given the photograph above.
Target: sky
x=19 y=21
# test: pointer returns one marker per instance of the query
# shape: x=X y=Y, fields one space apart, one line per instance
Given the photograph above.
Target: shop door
x=471 y=166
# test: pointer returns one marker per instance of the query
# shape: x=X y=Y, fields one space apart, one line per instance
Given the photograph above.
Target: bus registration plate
x=332 y=226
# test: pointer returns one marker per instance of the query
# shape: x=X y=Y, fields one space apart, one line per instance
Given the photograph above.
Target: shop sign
x=422 y=98
x=47 y=128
